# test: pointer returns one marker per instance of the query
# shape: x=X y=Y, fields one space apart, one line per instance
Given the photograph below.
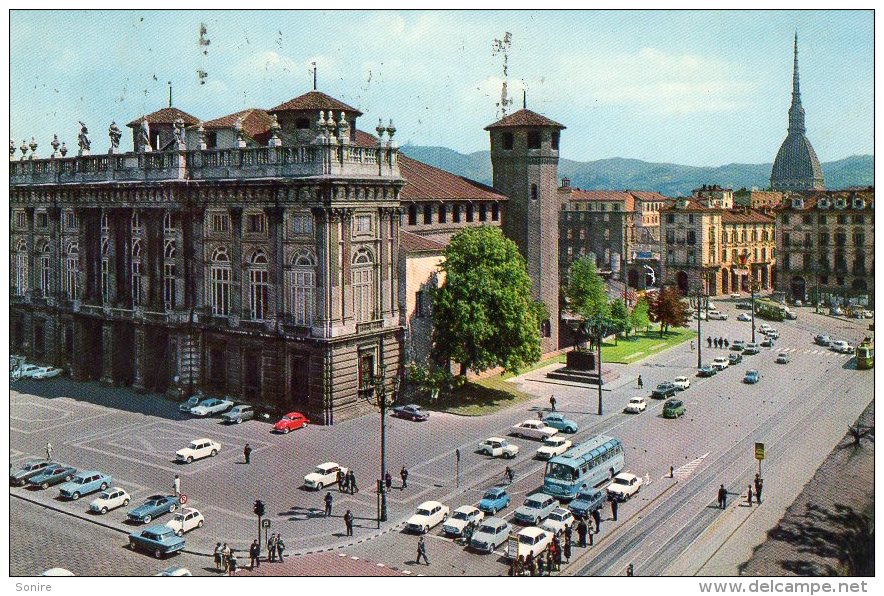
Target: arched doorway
x=681 y=280
x=798 y=288
x=725 y=282
x=632 y=278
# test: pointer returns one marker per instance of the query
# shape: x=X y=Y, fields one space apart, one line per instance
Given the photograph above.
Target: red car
x=291 y=421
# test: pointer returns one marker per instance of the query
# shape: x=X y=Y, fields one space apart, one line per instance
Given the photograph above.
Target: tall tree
x=585 y=291
x=483 y=314
x=639 y=318
x=619 y=317
x=668 y=309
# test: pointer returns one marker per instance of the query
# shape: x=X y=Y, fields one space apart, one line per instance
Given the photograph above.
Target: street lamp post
x=381 y=396
x=699 y=332
x=752 y=288
x=601 y=329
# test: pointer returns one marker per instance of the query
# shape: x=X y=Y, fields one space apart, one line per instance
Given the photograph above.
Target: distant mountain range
x=633 y=174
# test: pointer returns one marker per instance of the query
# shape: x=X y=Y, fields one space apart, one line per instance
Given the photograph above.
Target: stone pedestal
x=581 y=367
x=580 y=360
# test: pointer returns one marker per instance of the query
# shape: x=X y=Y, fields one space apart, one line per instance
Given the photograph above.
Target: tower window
x=495 y=211
x=533 y=139
x=302 y=123
x=412 y=215
x=482 y=213
x=443 y=212
x=533 y=192
x=507 y=141
x=469 y=212
x=554 y=141
x=428 y=214
x=455 y=215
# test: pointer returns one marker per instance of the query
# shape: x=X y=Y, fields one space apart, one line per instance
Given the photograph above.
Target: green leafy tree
x=484 y=315
x=639 y=317
x=587 y=298
x=619 y=318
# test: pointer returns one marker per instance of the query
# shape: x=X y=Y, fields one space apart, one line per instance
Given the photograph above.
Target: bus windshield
x=561 y=472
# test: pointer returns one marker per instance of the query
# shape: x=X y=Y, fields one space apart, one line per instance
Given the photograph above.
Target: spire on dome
x=796 y=112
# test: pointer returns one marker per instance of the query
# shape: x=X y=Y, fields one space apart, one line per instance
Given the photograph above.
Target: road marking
x=687 y=469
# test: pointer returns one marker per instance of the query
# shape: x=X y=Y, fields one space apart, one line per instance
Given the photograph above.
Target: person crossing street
x=422 y=551
x=328 y=504
x=403 y=473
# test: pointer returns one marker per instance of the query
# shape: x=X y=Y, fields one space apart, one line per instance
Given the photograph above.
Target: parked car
x=494 y=500
x=324 y=475
x=716 y=315
x=289 y=422
x=783 y=358
x=536 y=508
x=823 y=340
x=744 y=304
x=429 y=515
x=210 y=406
x=57 y=572
x=738 y=345
x=587 y=501
x=720 y=363
x=532 y=540
x=198 y=449
x=497 y=447
x=561 y=423
x=764 y=328
x=624 y=486
x=238 y=414
x=706 y=371
x=490 y=534
x=553 y=446
x=558 y=520
x=21 y=476
x=153 y=507
x=462 y=517
x=27 y=371
x=186 y=520
x=411 y=412
x=189 y=404
x=752 y=376
x=664 y=390
x=174 y=571
x=681 y=383
x=84 y=483
x=673 y=408
x=734 y=358
x=108 y=499
x=842 y=347
x=157 y=540
x=751 y=349
x=744 y=316
x=636 y=405
x=52 y=475
x=533 y=429
x=44 y=372
x=767 y=342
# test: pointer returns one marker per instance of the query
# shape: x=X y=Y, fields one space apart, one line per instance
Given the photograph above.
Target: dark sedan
x=411 y=412
x=52 y=475
x=664 y=390
x=707 y=371
x=734 y=358
x=153 y=507
x=21 y=476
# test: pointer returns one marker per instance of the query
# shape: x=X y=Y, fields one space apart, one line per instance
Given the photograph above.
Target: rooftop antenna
x=524 y=99
x=314 y=75
x=170 y=92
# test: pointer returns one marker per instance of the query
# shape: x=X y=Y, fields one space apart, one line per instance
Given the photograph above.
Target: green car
x=673 y=408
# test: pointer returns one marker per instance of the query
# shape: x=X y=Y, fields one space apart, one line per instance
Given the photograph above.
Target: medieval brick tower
x=525 y=158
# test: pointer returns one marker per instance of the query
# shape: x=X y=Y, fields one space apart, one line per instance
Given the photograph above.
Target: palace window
x=220 y=222
x=507 y=141
x=169 y=275
x=256 y=223
x=554 y=144
x=45 y=269
x=533 y=192
x=21 y=268
x=455 y=215
x=105 y=271
x=21 y=220
x=259 y=285
x=105 y=225
x=533 y=139
x=70 y=220
x=363 y=286
x=42 y=219
x=469 y=212
x=302 y=288
x=412 y=215
x=136 y=272
x=220 y=287
x=137 y=225
x=72 y=268
x=302 y=224
x=363 y=224
x=495 y=211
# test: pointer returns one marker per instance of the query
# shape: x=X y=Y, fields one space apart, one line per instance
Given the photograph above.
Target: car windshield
x=558 y=516
x=526 y=539
x=155 y=535
x=424 y=512
x=490 y=495
x=321 y=470
x=561 y=472
x=635 y=400
x=533 y=503
x=662 y=385
x=622 y=480
x=488 y=529
x=461 y=515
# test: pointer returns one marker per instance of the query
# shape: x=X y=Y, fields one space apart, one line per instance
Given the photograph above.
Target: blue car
x=84 y=483
x=751 y=377
x=494 y=500
x=157 y=539
x=52 y=475
x=587 y=501
x=153 y=507
x=561 y=423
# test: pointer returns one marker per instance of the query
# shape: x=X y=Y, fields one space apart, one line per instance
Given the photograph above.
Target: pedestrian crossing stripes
x=686 y=470
x=819 y=352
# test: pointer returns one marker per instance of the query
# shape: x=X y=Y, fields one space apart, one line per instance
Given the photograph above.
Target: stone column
x=120 y=223
x=236 y=265
x=383 y=263
x=138 y=357
x=32 y=261
x=275 y=230
x=195 y=258
x=153 y=221
x=345 y=265
x=108 y=351
x=323 y=268
x=56 y=272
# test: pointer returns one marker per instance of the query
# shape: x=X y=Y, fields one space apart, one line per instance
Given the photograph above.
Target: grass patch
x=480 y=397
x=627 y=349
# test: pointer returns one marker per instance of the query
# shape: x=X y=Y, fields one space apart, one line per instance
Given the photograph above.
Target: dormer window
x=554 y=142
x=302 y=123
x=858 y=203
x=798 y=203
x=840 y=203
x=507 y=141
x=533 y=139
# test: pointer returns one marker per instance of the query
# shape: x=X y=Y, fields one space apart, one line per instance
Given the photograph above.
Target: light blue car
x=751 y=377
x=536 y=508
x=158 y=540
x=561 y=423
x=84 y=483
x=494 y=500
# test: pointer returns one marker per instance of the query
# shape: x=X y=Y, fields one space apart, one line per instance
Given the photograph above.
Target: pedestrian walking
x=388 y=480
x=557 y=556
x=566 y=550
x=218 y=557
x=640 y=383
x=48 y=450
x=709 y=341
x=750 y=495
x=569 y=530
x=597 y=518
x=614 y=508
x=271 y=548
x=540 y=566
x=340 y=481
x=520 y=566
x=531 y=565
x=759 y=484
x=352 y=484
x=590 y=533
x=692 y=345
x=552 y=402
x=581 y=532
x=539 y=415
x=280 y=548
x=422 y=551
x=549 y=561
x=177 y=484
x=348 y=522
x=225 y=557
x=630 y=570
x=722 y=497
x=247 y=452
x=671 y=471
x=328 y=504
x=727 y=344
x=231 y=566
x=403 y=473
x=254 y=554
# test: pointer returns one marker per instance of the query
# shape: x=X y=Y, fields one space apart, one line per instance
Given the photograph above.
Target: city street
x=794 y=410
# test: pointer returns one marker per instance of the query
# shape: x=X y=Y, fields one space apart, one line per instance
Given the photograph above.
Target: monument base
x=580 y=367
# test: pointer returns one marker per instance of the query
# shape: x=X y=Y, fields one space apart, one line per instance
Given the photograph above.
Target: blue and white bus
x=583 y=466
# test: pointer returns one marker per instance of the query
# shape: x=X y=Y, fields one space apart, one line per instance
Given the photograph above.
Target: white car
x=533 y=429
x=210 y=406
x=186 y=520
x=324 y=475
x=497 y=447
x=764 y=328
x=558 y=520
x=45 y=372
x=842 y=347
x=174 y=572
x=716 y=315
x=461 y=518
x=744 y=316
x=429 y=515
x=637 y=405
x=198 y=449
x=720 y=363
x=624 y=486
x=682 y=383
x=108 y=499
x=531 y=540
x=553 y=446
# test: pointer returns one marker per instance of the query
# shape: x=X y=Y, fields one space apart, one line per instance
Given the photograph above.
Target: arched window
x=169 y=274
x=137 y=226
x=258 y=286
x=21 y=268
x=363 y=285
x=45 y=268
x=302 y=288
x=105 y=271
x=105 y=225
x=220 y=286
x=168 y=228
x=72 y=269
x=136 y=272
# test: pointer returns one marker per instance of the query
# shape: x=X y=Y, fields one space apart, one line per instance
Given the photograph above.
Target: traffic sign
x=759 y=451
x=182 y=499
x=265 y=523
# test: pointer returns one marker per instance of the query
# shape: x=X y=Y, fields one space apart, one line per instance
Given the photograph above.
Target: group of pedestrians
x=758 y=484
x=718 y=342
x=548 y=560
x=346 y=483
x=388 y=479
x=225 y=559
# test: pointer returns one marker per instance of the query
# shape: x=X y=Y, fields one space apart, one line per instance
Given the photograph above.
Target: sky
x=699 y=88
